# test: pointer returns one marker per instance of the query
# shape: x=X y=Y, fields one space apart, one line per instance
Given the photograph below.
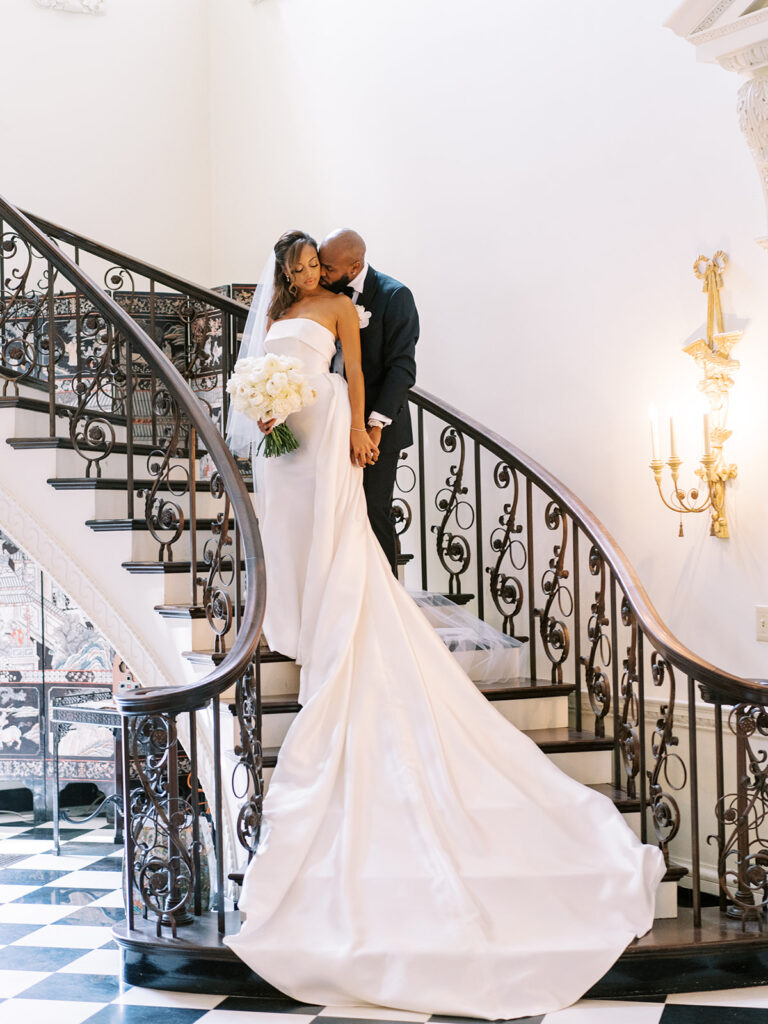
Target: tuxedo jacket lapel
x=370 y=288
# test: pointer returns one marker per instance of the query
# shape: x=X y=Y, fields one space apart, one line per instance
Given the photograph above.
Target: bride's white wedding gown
x=417 y=851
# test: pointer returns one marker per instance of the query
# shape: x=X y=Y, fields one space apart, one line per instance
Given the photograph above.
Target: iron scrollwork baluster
x=251 y=755
x=452 y=548
x=219 y=558
x=401 y=512
x=163 y=864
x=553 y=631
x=91 y=433
x=506 y=589
x=598 y=683
x=743 y=853
x=664 y=807
x=20 y=312
x=629 y=738
x=162 y=515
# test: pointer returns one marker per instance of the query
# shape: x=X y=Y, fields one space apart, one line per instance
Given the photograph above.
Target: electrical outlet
x=762 y=622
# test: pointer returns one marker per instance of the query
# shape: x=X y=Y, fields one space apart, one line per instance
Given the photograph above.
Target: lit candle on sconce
x=707 y=436
x=654 y=418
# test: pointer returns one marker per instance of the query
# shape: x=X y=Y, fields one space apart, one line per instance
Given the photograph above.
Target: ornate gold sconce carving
x=713 y=357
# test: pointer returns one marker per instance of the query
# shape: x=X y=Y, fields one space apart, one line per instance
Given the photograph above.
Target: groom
x=389 y=330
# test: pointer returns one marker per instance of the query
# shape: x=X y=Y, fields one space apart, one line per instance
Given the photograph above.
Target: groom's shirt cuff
x=378 y=419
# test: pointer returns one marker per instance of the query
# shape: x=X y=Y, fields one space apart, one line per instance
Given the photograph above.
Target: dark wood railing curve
x=163 y=838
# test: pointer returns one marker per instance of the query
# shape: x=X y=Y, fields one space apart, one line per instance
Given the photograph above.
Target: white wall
x=543 y=176
x=104 y=124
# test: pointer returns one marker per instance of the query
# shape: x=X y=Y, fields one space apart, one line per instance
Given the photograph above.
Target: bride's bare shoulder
x=334 y=299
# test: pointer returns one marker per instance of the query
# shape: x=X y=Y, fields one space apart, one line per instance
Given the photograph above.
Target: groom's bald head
x=342 y=255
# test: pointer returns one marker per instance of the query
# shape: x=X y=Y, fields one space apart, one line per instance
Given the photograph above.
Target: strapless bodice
x=305 y=339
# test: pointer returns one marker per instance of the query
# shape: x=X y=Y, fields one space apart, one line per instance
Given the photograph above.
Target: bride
x=417 y=850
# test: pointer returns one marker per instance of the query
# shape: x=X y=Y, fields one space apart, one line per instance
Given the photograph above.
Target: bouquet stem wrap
x=279 y=442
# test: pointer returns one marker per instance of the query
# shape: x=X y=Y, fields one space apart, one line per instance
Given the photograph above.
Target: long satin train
x=418 y=852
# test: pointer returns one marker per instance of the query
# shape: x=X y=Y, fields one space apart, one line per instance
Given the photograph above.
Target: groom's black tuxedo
x=388 y=345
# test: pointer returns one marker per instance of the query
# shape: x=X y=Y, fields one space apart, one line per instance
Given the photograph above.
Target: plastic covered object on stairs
x=486 y=654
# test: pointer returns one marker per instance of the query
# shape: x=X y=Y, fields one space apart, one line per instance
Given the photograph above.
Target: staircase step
x=459 y=598
x=162 y=568
x=625 y=804
x=674 y=956
x=65 y=444
x=181 y=611
x=675 y=872
x=41 y=406
x=126 y=525
x=284 y=704
x=270 y=756
x=550 y=741
x=84 y=483
x=568 y=740
x=203 y=657
x=524 y=689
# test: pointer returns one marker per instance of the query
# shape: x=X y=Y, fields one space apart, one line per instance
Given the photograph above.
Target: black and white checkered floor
x=59 y=965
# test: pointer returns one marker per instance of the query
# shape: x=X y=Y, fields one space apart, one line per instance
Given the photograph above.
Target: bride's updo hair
x=287 y=252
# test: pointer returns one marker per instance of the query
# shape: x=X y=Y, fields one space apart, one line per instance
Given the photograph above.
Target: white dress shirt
x=357 y=284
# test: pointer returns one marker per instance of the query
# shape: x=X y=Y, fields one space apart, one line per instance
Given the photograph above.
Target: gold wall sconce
x=713 y=357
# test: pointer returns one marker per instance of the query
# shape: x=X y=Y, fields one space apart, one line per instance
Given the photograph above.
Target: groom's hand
x=265 y=426
x=362 y=451
x=375 y=435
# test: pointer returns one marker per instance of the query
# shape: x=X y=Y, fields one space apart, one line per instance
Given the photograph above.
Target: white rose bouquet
x=271 y=387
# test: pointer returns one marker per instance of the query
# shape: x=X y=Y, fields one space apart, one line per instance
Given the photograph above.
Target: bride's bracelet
x=360 y=430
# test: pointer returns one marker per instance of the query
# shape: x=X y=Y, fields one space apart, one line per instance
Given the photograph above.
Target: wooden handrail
x=179 y=284
x=175 y=700
x=717 y=685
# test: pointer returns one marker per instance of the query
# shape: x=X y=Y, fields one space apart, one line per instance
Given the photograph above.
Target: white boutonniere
x=363 y=315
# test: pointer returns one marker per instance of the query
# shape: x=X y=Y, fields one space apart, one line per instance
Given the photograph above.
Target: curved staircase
x=115 y=478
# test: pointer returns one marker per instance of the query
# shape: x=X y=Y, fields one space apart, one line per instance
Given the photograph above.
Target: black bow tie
x=350 y=290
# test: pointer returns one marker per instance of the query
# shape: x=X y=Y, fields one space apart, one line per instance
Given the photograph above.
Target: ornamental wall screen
x=73 y=6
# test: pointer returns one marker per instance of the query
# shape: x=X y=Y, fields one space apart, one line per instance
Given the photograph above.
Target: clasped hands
x=363 y=444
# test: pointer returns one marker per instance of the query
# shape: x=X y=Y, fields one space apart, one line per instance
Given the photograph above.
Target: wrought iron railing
x=122 y=393
x=487 y=525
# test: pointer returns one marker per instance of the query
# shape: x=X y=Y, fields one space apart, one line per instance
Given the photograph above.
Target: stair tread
x=518 y=686
x=523 y=687
x=626 y=804
x=566 y=739
x=118 y=448
x=181 y=611
x=89 y=483
x=548 y=740
x=41 y=406
x=108 y=525
x=207 y=654
x=501 y=689
x=150 y=568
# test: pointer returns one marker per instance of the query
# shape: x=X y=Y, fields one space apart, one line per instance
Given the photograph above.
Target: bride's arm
x=267 y=426
x=362 y=450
